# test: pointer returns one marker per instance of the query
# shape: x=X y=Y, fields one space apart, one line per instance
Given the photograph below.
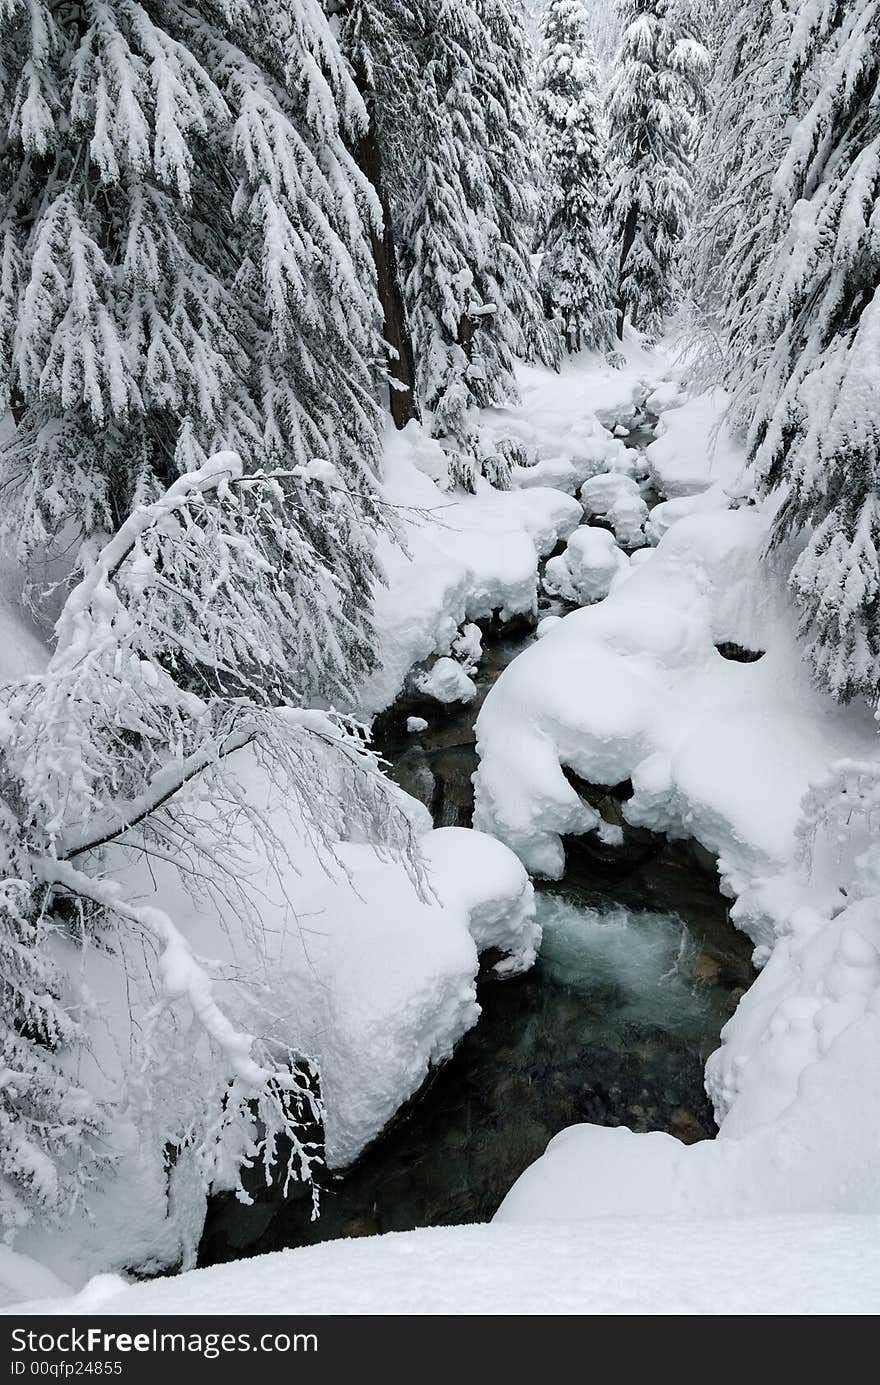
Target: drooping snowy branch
x=172 y=657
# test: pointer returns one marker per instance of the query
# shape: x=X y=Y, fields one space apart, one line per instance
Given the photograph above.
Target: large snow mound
x=635 y=688
x=619 y=1266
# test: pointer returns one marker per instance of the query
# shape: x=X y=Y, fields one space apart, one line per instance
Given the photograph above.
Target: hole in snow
x=738 y=653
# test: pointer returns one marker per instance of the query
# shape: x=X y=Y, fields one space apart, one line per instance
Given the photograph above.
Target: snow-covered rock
x=585 y=571
x=445 y=681
x=617 y=498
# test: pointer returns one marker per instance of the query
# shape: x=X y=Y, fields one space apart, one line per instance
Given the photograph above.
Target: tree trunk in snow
x=629 y=235
x=401 y=361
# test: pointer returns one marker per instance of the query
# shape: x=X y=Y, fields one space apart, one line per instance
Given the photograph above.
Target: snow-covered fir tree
x=186 y=265
x=574 y=279
x=742 y=141
x=463 y=212
x=656 y=91
x=812 y=362
x=507 y=81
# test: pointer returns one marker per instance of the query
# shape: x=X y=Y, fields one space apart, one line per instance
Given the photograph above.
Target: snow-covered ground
x=631 y=1265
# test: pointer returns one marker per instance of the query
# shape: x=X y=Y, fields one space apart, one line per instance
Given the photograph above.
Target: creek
x=639 y=969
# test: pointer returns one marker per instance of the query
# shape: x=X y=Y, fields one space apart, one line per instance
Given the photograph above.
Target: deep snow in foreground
x=767 y=1265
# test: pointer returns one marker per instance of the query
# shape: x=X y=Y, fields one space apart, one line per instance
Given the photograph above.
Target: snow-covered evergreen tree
x=656 y=90
x=443 y=229
x=575 y=280
x=812 y=367
x=507 y=80
x=463 y=208
x=741 y=143
x=185 y=265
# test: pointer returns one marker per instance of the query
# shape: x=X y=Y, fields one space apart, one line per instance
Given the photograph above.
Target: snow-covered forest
x=440 y=614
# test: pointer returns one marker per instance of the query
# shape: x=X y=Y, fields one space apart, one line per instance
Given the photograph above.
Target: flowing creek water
x=639 y=970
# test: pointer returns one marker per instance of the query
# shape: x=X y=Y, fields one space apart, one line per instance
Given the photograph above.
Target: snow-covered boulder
x=616 y=497
x=585 y=571
x=445 y=681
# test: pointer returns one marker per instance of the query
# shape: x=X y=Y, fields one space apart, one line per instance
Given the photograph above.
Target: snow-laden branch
x=181 y=973
x=174 y=653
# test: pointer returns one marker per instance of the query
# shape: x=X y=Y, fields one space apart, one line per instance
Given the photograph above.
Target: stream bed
x=638 y=972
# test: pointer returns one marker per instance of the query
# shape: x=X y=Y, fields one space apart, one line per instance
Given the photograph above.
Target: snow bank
x=660 y=684
x=617 y=1266
x=694 y=449
x=566 y=416
x=341 y=956
x=636 y=688
x=461 y=557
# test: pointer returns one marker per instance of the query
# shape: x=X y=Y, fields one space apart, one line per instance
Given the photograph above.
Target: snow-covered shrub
x=839 y=829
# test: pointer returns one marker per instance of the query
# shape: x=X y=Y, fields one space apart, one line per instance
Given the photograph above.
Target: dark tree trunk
x=17 y=406
x=629 y=235
x=401 y=360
